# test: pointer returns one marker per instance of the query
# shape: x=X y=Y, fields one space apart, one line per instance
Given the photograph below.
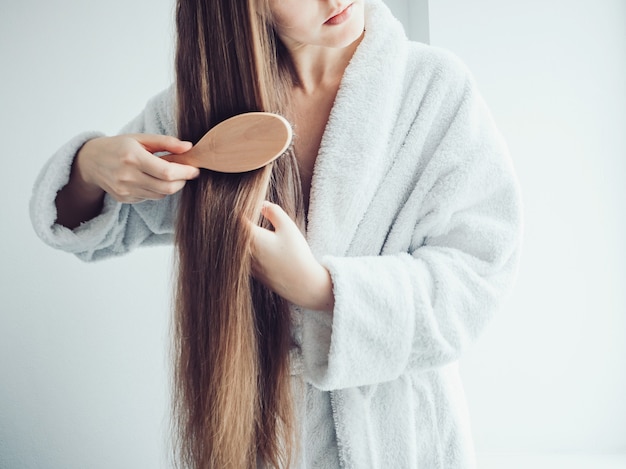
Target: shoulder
x=386 y=41
x=163 y=108
x=158 y=115
x=436 y=82
x=437 y=65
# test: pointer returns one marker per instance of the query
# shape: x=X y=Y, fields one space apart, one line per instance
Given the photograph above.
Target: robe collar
x=353 y=156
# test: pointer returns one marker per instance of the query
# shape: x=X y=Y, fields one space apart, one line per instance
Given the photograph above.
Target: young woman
x=412 y=224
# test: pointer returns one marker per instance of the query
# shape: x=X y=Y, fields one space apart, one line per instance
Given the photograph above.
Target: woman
x=412 y=229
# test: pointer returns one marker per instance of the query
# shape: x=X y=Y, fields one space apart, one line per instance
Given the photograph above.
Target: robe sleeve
x=119 y=227
x=420 y=308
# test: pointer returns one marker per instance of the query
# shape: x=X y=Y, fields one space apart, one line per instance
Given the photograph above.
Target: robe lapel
x=353 y=156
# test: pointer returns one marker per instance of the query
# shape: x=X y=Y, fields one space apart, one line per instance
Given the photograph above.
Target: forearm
x=78 y=201
x=320 y=292
x=312 y=289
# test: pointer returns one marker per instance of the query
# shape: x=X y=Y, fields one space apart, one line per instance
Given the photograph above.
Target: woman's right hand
x=125 y=167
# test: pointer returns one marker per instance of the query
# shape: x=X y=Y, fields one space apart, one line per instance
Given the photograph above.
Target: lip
x=340 y=15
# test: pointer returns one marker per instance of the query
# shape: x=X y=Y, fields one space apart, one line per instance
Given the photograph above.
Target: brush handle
x=242 y=143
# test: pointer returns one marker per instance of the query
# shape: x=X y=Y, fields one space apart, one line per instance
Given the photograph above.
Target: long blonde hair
x=232 y=398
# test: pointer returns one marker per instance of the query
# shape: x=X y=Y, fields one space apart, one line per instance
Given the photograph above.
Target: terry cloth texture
x=415 y=211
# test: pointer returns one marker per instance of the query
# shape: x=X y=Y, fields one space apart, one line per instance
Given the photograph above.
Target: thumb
x=157 y=143
x=275 y=215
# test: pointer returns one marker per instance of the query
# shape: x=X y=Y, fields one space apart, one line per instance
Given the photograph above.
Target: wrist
x=80 y=174
x=320 y=296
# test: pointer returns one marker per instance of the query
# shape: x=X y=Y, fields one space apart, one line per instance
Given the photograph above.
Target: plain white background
x=83 y=347
x=550 y=373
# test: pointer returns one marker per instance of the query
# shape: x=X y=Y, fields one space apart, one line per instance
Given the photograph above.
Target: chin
x=348 y=33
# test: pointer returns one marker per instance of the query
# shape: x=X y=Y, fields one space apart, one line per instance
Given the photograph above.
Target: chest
x=310 y=119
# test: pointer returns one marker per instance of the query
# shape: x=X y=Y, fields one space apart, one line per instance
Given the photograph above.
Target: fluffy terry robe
x=415 y=212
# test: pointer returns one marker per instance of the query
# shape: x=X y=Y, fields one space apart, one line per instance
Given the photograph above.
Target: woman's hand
x=283 y=261
x=125 y=167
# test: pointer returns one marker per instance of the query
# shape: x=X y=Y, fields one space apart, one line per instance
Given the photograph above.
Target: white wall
x=414 y=16
x=550 y=374
x=83 y=377
x=83 y=365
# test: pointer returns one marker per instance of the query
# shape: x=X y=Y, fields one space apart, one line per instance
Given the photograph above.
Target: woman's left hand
x=283 y=261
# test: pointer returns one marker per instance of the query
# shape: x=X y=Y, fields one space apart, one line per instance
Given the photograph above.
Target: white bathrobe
x=414 y=210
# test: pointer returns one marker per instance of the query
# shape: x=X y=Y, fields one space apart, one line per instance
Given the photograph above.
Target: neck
x=319 y=67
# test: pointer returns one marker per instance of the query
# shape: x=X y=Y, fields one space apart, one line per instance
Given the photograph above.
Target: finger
x=260 y=236
x=275 y=215
x=156 y=143
x=166 y=171
x=182 y=158
x=158 y=186
x=136 y=196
